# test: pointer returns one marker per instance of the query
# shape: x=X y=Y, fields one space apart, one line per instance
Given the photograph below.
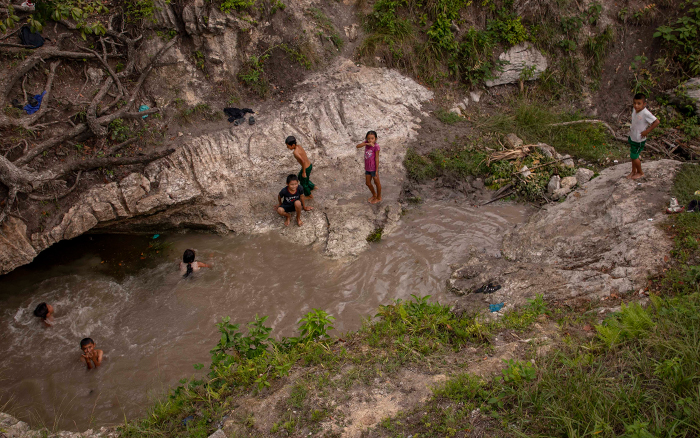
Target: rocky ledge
x=604 y=238
x=227 y=181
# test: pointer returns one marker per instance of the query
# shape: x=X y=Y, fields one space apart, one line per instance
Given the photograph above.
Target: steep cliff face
x=228 y=180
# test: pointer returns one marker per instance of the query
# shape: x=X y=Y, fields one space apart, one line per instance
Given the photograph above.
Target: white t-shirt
x=640 y=121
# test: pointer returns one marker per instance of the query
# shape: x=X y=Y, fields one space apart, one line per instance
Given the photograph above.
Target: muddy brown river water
x=153 y=325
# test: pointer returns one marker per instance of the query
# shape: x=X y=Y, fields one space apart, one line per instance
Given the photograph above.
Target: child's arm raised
x=363 y=144
x=84 y=359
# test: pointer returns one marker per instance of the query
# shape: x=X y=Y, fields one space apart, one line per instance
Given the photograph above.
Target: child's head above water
x=188 y=256
x=43 y=310
x=639 y=101
x=87 y=345
x=290 y=141
x=371 y=137
x=292 y=182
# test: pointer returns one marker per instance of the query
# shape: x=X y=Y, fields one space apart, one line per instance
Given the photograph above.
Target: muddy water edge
x=127 y=294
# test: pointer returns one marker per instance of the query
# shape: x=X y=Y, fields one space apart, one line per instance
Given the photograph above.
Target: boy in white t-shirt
x=643 y=121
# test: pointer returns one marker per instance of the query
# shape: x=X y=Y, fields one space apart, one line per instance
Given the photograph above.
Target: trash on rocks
x=143 y=108
x=251 y=120
x=496 y=307
x=155 y=236
x=673 y=207
x=693 y=207
x=697 y=193
x=235 y=114
x=488 y=288
x=187 y=419
x=32 y=39
x=650 y=219
x=33 y=104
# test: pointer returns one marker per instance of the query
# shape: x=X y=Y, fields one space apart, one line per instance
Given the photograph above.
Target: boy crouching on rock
x=290 y=199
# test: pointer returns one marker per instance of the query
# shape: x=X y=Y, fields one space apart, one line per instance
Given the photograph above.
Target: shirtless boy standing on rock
x=306 y=167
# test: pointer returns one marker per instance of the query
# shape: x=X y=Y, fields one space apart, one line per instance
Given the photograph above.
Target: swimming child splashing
x=189 y=265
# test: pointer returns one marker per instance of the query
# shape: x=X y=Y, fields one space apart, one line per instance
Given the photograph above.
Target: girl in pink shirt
x=372 y=166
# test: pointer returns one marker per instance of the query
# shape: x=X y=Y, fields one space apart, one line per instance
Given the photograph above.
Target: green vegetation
x=235 y=5
x=683 y=35
x=327 y=29
x=447 y=117
x=531 y=121
x=637 y=377
x=376 y=235
x=402 y=333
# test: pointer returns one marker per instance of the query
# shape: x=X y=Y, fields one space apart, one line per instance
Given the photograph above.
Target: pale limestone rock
x=134 y=187
x=546 y=150
x=554 y=184
x=588 y=246
x=561 y=193
x=228 y=180
x=15 y=248
x=583 y=175
x=518 y=58
x=568 y=182
x=513 y=140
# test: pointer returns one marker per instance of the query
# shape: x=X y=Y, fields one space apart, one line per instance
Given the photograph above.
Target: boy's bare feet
x=375 y=201
x=287 y=221
x=370 y=199
x=311 y=196
x=632 y=174
x=299 y=222
x=638 y=175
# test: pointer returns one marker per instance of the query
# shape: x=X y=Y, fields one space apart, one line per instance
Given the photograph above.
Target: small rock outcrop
x=520 y=58
x=686 y=94
x=603 y=239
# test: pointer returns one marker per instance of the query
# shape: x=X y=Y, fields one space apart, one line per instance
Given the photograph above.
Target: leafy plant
x=683 y=37
x=376 y=235
x=447 y=117
x=518 y=372
x=315 y=325
x=235 y=5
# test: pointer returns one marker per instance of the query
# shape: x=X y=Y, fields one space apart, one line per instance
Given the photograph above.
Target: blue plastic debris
x=496 y=307
x=31 y=109
x=144 y=108
x=155 y=236
x=187 y=419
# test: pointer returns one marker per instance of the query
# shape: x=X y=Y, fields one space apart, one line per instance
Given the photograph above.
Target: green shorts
x=635 y=148
x=306 y=183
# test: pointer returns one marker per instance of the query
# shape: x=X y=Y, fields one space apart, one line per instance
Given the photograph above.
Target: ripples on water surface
x=153 y=326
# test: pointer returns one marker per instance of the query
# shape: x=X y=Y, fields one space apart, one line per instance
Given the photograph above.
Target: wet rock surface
x=228 y=181
x=604 y=238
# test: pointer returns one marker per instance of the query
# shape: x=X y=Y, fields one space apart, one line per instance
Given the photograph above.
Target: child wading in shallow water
x=290 y=200
x=91 y=356
x=643 y=122
x=372 y=166
x=45 y=312
x=188 y=265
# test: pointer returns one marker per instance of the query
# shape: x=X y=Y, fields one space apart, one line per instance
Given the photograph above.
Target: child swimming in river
x=91 y=356
x=45 y=312
x=372 y=166
x=188 y=265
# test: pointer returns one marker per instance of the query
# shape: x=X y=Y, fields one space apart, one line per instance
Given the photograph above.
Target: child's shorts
x=288 y=208
x=371 y=173
x=635 y=148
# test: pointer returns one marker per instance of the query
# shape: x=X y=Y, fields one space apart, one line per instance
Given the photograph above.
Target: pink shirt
x=370 y=158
